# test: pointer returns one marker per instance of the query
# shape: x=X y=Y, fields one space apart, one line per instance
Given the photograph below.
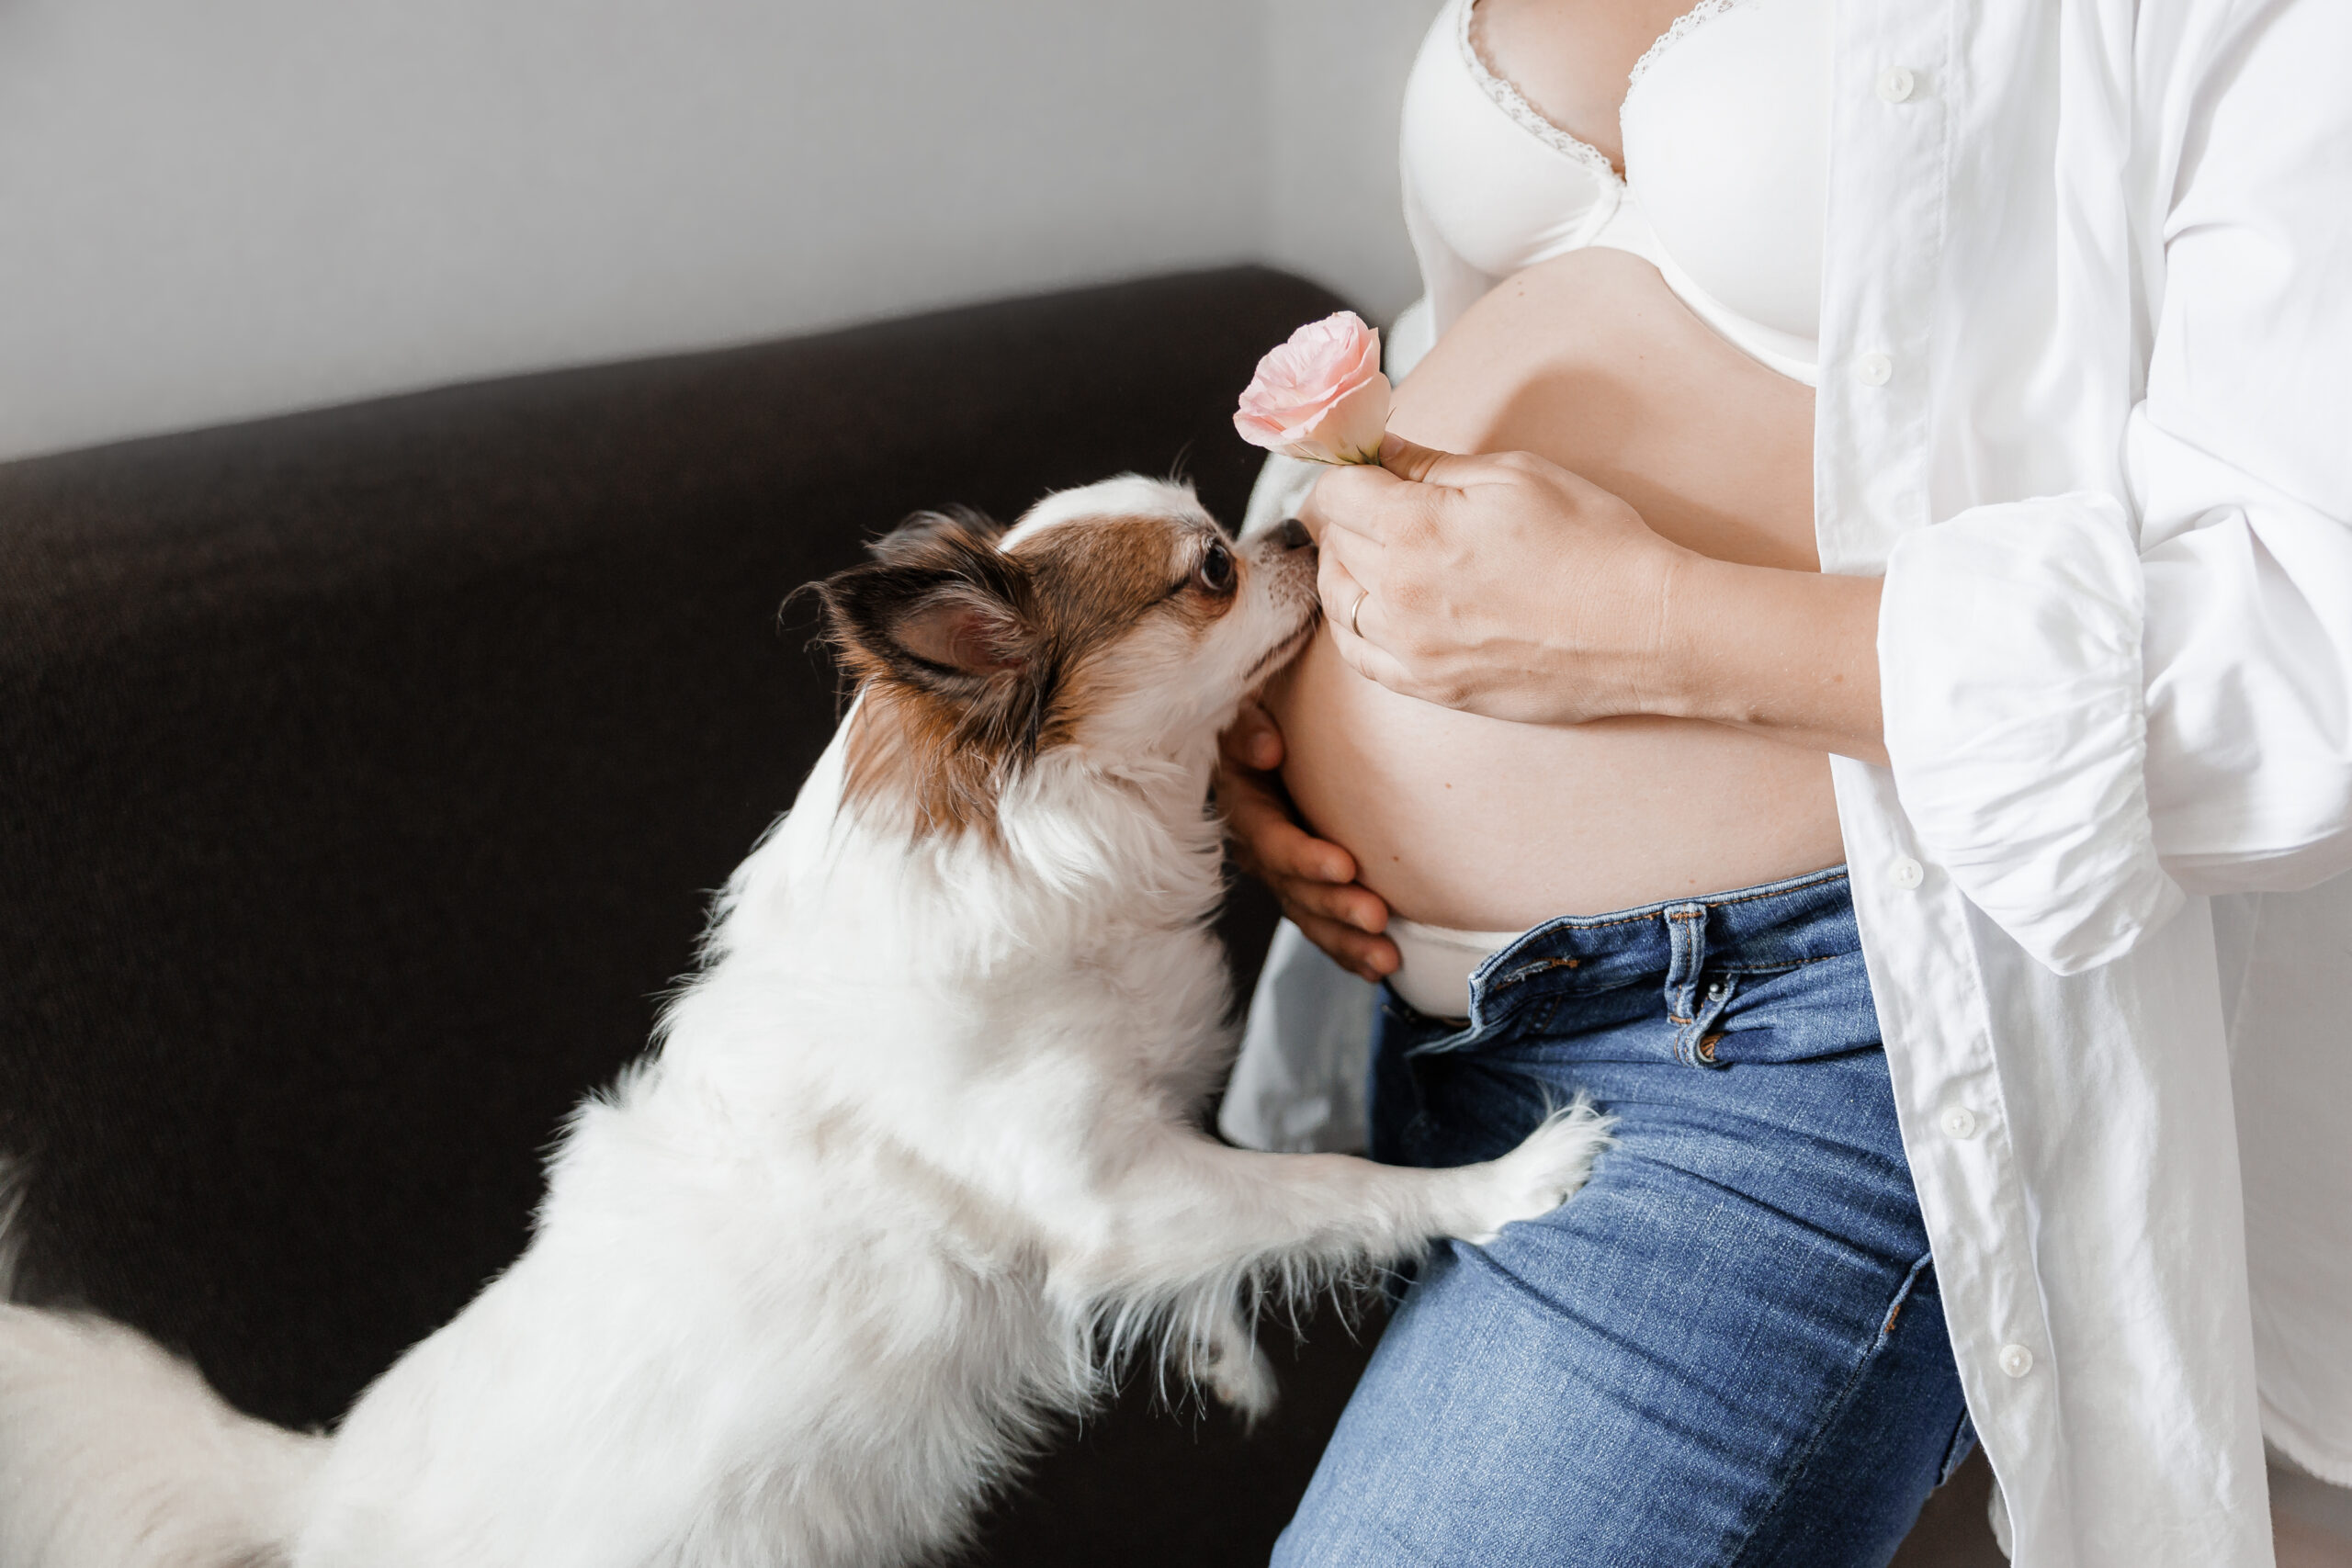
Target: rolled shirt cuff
x=2016 y=719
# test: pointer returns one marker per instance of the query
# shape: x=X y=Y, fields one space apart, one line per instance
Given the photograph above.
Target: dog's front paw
x=1245 y=1384
x=1537 y=1177
x=1230 y=1366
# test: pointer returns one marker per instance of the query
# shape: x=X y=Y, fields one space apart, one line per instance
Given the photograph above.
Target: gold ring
x=1356 y=615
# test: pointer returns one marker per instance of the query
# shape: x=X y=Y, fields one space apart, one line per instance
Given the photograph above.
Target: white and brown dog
x=916 y=1157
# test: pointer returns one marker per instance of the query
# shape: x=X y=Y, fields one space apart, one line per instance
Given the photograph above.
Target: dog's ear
x=943 y=632
x=939 y=608
x=920 y=532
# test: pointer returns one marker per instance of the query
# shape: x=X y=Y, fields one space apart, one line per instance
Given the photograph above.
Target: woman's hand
x=1314 y=880
x=1502 y=585
x=1507 y=586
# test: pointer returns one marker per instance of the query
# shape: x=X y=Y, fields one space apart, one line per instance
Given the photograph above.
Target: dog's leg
x=1187 y=1208
x=1223 y=1357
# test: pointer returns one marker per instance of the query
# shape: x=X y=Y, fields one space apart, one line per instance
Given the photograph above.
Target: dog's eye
x=1215 y=571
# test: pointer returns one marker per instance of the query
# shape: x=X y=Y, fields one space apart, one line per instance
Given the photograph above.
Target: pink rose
x=1319 y=396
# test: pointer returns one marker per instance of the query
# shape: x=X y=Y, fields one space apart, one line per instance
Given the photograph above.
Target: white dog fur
x=916 y=1161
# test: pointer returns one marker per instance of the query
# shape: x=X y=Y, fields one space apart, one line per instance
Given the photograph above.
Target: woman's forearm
x=1507 y=586
x=1792 y=655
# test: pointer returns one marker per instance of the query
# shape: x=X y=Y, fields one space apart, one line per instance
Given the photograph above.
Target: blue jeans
x=1727 y=1348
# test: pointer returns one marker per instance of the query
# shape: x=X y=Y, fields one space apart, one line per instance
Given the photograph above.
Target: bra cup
x=1502 y=199
x=1727 y=141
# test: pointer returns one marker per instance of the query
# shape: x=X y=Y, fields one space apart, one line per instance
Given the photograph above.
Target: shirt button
x=1895 y=84
x=1873 y=369
x=1906 y=873
x=1959 y=1121
x=2016 y=1360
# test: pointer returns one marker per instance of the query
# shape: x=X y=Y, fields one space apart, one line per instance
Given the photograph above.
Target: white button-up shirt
x=2089 y=269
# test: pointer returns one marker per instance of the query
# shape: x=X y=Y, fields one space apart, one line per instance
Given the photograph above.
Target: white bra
x=1727 y=133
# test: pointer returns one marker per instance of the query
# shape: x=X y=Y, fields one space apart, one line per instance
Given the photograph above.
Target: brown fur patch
x=972 y=659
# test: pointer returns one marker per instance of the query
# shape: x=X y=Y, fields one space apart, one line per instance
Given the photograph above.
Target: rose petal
x=1320 y=395
x=1349 y=432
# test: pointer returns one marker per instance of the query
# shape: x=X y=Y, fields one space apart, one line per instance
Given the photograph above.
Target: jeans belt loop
x=1686 y=931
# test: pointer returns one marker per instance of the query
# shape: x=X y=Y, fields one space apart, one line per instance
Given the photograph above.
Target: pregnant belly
x=1464 y=821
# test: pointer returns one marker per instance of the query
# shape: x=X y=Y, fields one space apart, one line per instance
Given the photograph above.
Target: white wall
x=209 y=212
x=1335 y=72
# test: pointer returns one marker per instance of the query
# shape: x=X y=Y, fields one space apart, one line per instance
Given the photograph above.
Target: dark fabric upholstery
x=362 y=774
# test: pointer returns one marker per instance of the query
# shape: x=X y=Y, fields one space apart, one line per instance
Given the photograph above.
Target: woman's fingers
x=1273 y=847
x=1341 y=592
x=1359 y=499
x=1354 y=612
x=1401 y=493
x=1314 y=880
x=1280 y=850
x=1359 y=909
x=1252 y=740
x=1368 y=957
x=1410 y=460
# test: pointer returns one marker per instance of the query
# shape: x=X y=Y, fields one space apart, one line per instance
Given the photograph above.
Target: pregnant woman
x=1854 y=389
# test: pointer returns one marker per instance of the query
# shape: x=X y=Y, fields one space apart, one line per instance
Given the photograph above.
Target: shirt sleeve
x=2093 y=709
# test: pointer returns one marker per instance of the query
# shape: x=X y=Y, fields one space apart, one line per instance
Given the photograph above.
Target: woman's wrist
x=1790 y=654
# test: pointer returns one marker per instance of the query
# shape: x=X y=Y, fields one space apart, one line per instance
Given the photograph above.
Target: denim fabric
x=1727 y=1348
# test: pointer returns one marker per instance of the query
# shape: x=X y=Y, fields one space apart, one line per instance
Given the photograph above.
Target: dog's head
x=1116 y=625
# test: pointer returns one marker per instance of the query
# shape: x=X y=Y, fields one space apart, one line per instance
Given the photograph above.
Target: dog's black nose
x=1290 y=534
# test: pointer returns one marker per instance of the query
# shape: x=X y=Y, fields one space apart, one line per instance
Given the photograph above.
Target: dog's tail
x=114 y=1455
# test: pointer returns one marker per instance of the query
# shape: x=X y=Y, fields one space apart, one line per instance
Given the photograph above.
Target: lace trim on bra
x=1531 y=120
x=1704 y=11
x=1526 y=116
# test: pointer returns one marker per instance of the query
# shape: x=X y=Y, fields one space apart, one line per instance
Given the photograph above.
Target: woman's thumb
x=1410 y=460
